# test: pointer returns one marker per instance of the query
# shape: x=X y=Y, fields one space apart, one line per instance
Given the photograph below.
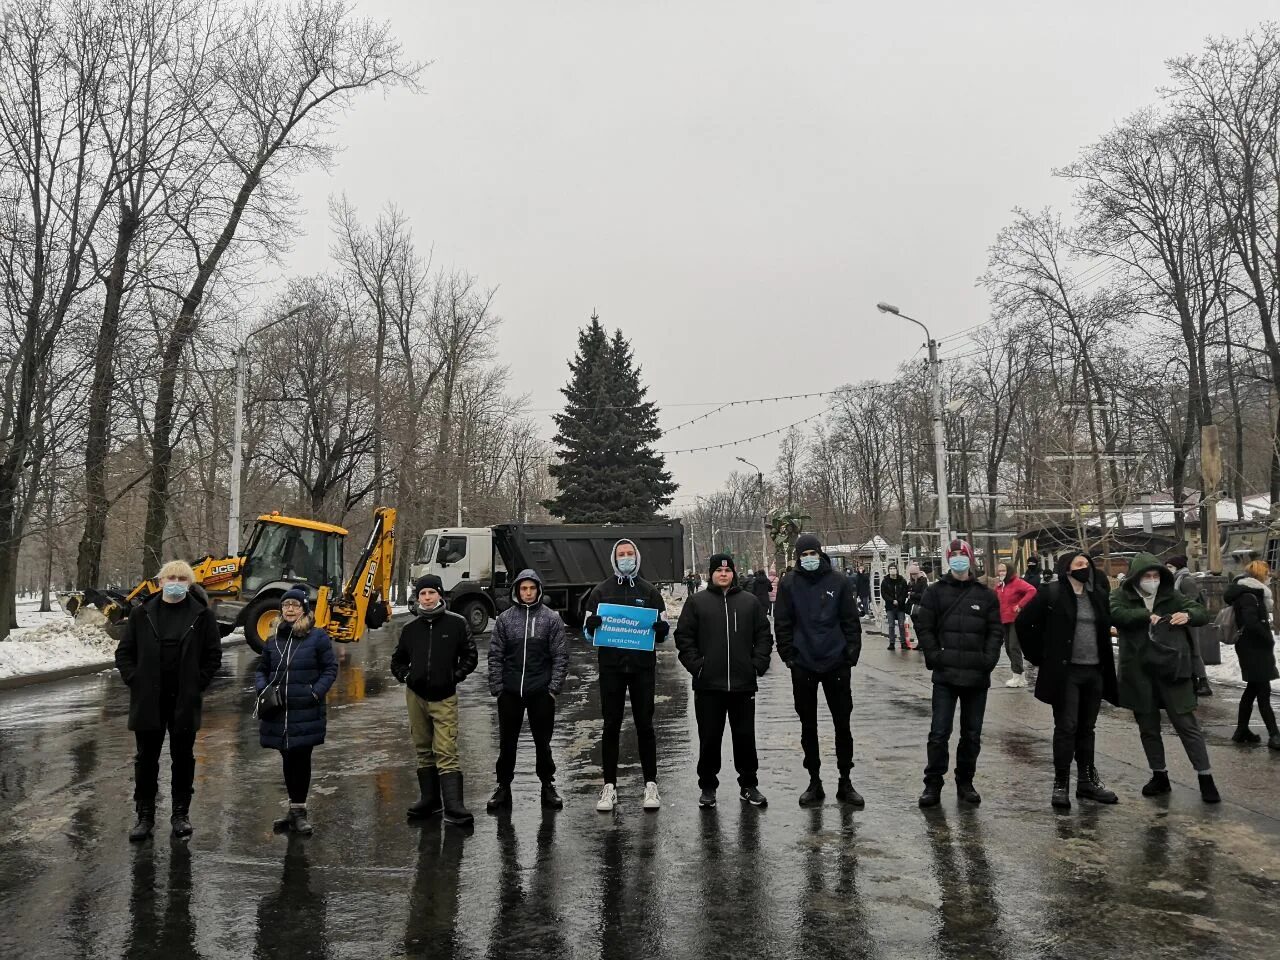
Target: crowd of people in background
x=1059 y=625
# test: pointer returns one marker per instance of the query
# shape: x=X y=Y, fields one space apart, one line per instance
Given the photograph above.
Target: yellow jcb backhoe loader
x=281 y=553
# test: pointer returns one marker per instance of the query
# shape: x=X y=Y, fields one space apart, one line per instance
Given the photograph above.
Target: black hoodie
x=629 y=590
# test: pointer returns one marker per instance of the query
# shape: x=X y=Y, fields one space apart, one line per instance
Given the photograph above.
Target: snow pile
x=55 y=645
x=1229 y=670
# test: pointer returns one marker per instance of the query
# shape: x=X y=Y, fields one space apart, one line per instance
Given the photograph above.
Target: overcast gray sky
x=736 y=183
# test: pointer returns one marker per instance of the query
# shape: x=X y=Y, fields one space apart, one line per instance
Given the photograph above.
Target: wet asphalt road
x=1011 y=879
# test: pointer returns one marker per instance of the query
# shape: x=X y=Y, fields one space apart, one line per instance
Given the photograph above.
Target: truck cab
x=463 y=559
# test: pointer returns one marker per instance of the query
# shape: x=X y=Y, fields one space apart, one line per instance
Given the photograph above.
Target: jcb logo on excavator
x=223 y=568
x=368 y=580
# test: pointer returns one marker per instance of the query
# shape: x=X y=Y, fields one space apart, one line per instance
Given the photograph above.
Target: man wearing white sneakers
x=627 y=671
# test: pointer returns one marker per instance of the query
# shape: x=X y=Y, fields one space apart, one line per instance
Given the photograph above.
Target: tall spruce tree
x=608 y=470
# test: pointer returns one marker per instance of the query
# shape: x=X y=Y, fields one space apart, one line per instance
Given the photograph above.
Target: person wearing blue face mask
x=958 y=624
x=168 y=656
x=627 y=670
x=820 y=639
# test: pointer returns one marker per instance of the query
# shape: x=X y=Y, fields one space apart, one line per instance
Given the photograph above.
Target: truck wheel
x=476 y=614
x=260 y=621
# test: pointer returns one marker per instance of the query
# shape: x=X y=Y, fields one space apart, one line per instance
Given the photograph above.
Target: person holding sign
x=820 y=640
x=624 y=618
x=724 y=642
x=528 y=661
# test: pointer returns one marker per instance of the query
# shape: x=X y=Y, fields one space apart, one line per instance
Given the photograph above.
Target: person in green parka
x=1147 y=597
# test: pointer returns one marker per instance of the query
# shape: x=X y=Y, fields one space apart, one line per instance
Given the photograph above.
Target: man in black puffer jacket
x=958 y=624
x=435 y=653
x=820 y=639
x=627 y=670
x=724 y=642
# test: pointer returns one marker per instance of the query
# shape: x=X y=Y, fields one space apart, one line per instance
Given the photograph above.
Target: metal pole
x=459 y=501
x=233 y=515
x=940 y=450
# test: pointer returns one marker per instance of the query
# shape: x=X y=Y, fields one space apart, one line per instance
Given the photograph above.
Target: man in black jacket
x=895 y=592
x=168 y=656
x=820 y=639
x=627 y=670
x=958 y=624
x=434 y=654
x=724 y=642
x=862 y=580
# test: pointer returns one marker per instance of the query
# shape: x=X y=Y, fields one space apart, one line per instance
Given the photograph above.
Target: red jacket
x=1013 y=595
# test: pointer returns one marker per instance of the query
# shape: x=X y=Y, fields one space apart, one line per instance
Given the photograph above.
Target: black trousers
x=973 y=706
x=1075 y=716
x=614 y=687
x=297 y=773
x=712 y=708
x=541 y=708
x=838 y=688
x=1259 y=691
x=146 y=762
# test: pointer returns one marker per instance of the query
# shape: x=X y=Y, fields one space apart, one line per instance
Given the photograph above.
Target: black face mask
x=1083 y=576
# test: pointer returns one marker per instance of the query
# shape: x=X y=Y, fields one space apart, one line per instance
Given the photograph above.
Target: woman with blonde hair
x=1251 y=598
x=168 y=656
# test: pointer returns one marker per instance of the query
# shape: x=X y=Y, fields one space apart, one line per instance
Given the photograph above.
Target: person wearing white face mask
x=1156 y=673
x=168 y=656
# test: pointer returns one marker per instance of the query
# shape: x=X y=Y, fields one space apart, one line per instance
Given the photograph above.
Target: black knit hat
x=297 y=592
x=1179 y=561
x=428 y=580
x=807 y=541
x=719 y=561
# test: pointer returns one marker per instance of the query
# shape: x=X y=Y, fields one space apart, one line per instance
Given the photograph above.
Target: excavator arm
x=366 y=597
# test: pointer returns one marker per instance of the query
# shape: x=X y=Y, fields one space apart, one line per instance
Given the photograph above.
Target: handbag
x=1162 y=658
x=270 y=702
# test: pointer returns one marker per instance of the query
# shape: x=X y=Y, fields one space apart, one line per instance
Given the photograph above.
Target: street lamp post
x=764 y=516
x=242 y=361
x=939 y=431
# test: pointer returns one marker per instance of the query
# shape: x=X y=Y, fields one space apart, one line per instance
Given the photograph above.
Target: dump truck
x=281 y=552
x=475 y=564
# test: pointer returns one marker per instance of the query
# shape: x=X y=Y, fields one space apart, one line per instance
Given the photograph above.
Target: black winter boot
x=300 y=823
x=932 y=794
x=1202 y=687
x=429 y=803
x=501 y=798
x=1244 y=735
x=1061 y=798
x=550 y=798
x=455 y=811
x=966 y=792
x=1273 y=741
x=846 y=794
x=145 y=824
x=814 y=795
x=1158 y=784
x=1092 y=788
x=1208 y=789
x=282 y=824
x=181 y=822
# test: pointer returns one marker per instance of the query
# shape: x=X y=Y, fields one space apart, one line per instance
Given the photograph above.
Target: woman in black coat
x=1251 y=599
x=300 y=663
x=1065 y=630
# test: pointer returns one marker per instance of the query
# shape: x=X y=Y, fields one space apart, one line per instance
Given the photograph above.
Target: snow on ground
x=1229 y=670
x=54 y=645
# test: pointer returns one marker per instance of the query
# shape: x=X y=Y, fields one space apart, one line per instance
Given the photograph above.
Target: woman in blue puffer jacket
x=299 y=661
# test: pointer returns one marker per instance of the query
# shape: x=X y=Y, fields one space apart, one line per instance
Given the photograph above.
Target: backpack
x=1225 y=621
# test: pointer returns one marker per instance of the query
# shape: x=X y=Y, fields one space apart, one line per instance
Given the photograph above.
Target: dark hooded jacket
x=435 y=653
x=724 y=640
x=761 y=588
x=816 y=619
x=302 y=660
x=630 y=591
x=528 y=649
x=958 y=623
x=1047 y=633
x=1255 y=645
x=140 y=660
x=895 y=591
x=1139 y=690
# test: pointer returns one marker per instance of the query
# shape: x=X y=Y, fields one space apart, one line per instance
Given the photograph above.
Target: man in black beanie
x=820 y=639
x=724 y=642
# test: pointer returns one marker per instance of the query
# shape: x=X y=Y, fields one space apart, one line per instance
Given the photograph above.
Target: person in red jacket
x=1014 y=593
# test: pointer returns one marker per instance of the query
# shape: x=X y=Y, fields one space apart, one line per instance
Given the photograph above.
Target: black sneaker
x=707 y=800
x=1158 y=784
x=753 y=796
x=550 y=798
x=891 y=646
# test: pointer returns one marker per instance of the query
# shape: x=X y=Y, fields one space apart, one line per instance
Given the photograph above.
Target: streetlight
x=764 y=518
x=939 y=431
x=242 y=361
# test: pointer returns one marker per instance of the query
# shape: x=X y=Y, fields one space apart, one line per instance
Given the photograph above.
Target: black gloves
x=660 y=629
x=593 y=623
x=400 y=673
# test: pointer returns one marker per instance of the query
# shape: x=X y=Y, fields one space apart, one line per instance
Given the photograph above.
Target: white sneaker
x=608 y=797
x=1017 y=680
x=651 y=799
